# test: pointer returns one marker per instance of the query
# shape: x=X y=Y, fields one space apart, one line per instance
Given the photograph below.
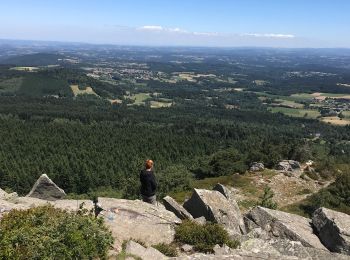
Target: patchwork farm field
x=294 y=112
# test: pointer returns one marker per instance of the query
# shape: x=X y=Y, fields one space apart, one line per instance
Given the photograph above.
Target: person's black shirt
x=148 y=183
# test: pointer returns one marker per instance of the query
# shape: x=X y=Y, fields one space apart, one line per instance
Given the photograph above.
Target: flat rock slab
x=333 y=229
x=215 y=207
x=134 y=219
x=287 y=248
x=44 y=188
x=284 y=225
x=149 y=253
x=171 y=205
x=235 y=255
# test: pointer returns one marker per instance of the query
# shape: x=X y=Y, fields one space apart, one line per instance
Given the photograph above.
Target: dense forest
x=88 y=145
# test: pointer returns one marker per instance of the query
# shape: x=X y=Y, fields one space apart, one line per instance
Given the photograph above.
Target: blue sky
x=276 y=23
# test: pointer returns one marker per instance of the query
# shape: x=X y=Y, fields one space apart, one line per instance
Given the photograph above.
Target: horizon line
x=165 y=46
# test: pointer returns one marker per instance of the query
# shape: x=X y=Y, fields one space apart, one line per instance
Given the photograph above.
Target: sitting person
x=148 y=183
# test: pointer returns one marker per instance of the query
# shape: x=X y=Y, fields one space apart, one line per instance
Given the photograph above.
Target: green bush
x=335 y=196
x=203 y=237
x=266 y=199
x=168 y=250
x=49 y=233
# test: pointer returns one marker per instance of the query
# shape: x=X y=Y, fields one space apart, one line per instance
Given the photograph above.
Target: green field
x=289 y=103
x=302 y=96
x=295 y=97
x=139 y=98
x=295 y=112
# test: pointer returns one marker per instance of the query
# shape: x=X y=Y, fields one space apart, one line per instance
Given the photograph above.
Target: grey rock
x=256 y=167
x=255 y=233
x=171 y=205
x=134 y=219
x=216 y=208
x=229 y=194
x=222 y=250
x=187 y=248
x=2 y=194
x=45 y=189
x=333 y=228
x=294 y=164
x=288 y=165
x=249 y=224
x=235 y=255
x=150 y=253
x=200 y=220
x=286 y=226
x=284 y=166
x=287 y=248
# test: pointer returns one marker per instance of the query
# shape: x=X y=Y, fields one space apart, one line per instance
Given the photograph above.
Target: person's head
x=149 y=164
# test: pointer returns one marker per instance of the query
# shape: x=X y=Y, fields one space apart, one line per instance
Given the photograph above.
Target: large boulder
x=171 y=205
x=286 y=226
x=149 y=253
x=229 y=194
x=333 y=228
x=256 y=167
x=217 y=208
x=45 y=189
x=134 y=219
x=294 y=164
x=288 y=165
x=284 y=166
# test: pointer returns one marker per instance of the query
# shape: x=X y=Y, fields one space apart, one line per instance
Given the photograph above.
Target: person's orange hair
x=149 y=164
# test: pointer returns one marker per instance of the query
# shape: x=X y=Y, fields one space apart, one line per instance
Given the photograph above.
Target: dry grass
x=334 y=120
x=87 y=90
x=157 y=104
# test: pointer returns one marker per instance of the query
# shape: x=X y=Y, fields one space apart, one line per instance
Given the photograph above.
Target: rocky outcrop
x=149 y=253
x=217 y=208
x=256 y=167
x=229 y=194
x=268 y=249
x=2 y=193
x=171 y=205
x=287 y=226
x=235 y=255
x=286 y=248
x=288 y=165
x=134 y=219
x=46 y=189
x=333 y=228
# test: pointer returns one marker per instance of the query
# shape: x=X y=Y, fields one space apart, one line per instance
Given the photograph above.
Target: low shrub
x=168 y=250
x=203 y=237
x=49 y=233
x=267 y=199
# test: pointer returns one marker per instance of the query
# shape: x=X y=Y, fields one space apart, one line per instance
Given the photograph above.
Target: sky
x=221 y=23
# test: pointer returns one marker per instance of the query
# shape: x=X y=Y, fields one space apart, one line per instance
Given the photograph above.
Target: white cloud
x=152 y=28
x=158 y=28
x=206 y=33
x=270 y=35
